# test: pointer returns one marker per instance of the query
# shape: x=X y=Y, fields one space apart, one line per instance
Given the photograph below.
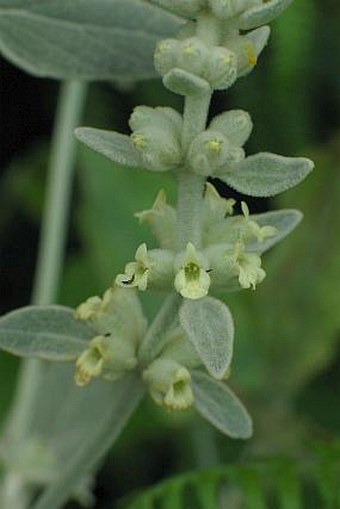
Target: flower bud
x=214 y=210
x=222 y=68
x=163 y=221
x=151 y=269
x=247 y=48
x=210 y=152
x=192 y=56
x=166 y=54
x=192 y=280
x=159 y=152
x=185 y=8
x=169 y=384
x=117 y=312
x=225 y=9
x=157 y=136
x=235 y=125
x=106 y=356
x=164 y=118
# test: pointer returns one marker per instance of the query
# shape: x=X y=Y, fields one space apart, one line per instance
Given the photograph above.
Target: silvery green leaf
x=115 y=146
x=285 y=221
x=91 y=421
x=219 y=405
x=209 y=326
x=185 y=83
x=262 y=14
x=266 y=174
x=83 y=39
x=50 y=333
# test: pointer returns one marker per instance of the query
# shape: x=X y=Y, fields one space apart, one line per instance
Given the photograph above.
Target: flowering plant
x=207 y=246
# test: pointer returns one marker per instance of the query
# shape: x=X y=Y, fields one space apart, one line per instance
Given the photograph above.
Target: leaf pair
x=263 y=174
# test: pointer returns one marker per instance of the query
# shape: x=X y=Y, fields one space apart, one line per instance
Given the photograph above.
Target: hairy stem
x=190 y=185
x=196 y=109
x=190 y=192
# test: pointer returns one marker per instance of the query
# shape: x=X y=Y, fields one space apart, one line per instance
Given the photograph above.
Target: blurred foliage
x=279 y=483
x=287 y=355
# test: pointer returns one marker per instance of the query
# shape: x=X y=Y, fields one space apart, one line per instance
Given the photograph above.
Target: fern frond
x=279 y=483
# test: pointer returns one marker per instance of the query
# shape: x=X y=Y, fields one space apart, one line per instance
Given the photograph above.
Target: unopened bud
x=106 y=356
x=157 y=133
x=235 y=125
x=222 y=69
x=211 y=153
x=192 y=55
x=163 y=221
x=169 y=384
x=225 y=9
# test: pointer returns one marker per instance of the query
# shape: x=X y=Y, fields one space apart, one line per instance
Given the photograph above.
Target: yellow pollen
x=163 y=47
x=139 y=141
x=227 y=60
x=188 y=51
x=251 y=57
x=215 y=146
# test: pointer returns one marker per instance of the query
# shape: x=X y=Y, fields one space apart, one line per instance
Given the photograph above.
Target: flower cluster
x=118 y=320
x=224 y=262
x=119 y=324
x=197 y=62
x=206 y=244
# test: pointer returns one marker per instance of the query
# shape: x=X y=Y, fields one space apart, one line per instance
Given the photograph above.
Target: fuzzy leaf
x=219 y=405
x=209 y=326
x=101 y=40
x=90 y=440
x=50 y=333
x=262 y=14
x=266 y=174
x=115 y=146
